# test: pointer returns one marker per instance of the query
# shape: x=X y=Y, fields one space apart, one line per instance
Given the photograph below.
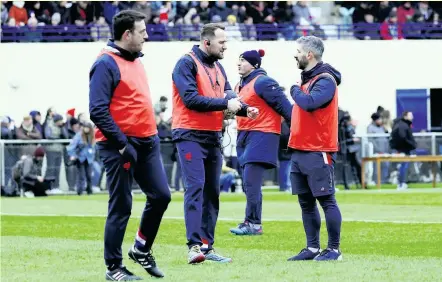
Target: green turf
x=47 y=242
x=393 y=186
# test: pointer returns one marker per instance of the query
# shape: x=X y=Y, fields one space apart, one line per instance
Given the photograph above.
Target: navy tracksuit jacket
x=320 y=96
x=257 y=150
x=199 y=153
x=148 y=170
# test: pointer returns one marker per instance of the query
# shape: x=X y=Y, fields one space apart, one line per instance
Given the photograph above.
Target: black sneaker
x=329 y=254
x=305 y=254
x=146 y=260
x=121 y=274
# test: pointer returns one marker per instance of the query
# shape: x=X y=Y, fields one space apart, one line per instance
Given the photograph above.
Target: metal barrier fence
x=56 y=162
x=427 y=144
x=281 y=31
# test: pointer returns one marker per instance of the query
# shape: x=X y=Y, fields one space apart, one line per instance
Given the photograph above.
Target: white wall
x=36 y=76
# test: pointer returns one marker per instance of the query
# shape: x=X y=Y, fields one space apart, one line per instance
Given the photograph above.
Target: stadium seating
x=245 y=20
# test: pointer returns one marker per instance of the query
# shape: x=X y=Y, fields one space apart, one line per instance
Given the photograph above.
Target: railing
x=56 y=162
x=160 y=32
x=378 y=144
x=369 y=144
x=427 y=143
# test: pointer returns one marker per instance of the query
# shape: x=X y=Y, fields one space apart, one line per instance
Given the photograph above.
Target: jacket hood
x=318 y=69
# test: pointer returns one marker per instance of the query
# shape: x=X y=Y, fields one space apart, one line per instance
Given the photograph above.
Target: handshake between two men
x=234 y=105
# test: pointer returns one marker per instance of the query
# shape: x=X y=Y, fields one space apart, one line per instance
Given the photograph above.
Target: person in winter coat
x=27 y=173
x=81 y=150
x=258 y=139
x=402 y=141
x=54 y=129
x=380 y=144
x=27 y=131
x=36 y=120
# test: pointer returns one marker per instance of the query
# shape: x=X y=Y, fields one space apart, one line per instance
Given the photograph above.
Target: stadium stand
x=84 y=21
x=35 y=21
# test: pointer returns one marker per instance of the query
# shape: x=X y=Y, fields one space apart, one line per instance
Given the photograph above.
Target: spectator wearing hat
x=81 y=151
x=380 y=144
x=36 y=120
x=56 y=130
x=258 y=139
x=27 y=131
x=69 y=114
x=27 y=173
x=232 y=29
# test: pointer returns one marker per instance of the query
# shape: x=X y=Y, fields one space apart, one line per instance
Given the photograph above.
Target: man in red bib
x=120 y=105
x=258 y=139
x=199 y=99
x=314 y=143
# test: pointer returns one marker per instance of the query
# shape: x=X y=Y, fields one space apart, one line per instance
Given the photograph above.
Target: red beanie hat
x=71 y=112
x=39 y=152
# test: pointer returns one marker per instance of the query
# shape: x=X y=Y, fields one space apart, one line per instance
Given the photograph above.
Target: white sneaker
x=96 y=189
x=402 y=186
x=55 y=191
x=29 y=194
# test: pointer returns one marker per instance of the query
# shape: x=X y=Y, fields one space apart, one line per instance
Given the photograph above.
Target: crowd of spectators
x=35 y=21
x=53 y=128
x=66 y=140
x=84 y=171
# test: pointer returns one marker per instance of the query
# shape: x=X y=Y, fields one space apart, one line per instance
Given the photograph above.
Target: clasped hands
x=234 y=105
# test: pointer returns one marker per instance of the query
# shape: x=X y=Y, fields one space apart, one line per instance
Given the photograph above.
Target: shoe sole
x=109 y=278
x=198 y=259
x=221 y=262
x=248 y=234
x=338 y=259
x=301 y=259
x=306 y=259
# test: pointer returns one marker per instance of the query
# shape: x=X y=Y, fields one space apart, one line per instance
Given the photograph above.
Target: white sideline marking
x=232 y=219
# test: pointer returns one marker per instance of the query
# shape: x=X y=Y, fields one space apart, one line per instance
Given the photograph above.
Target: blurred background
x=388 y=52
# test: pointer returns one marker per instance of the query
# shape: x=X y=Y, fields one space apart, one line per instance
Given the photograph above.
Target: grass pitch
x=386 y=236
